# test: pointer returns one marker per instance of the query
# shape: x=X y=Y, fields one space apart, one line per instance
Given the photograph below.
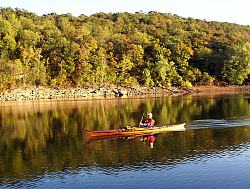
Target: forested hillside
x=153 y=49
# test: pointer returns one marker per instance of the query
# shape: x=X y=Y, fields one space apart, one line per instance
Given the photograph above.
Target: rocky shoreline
x=41 y=93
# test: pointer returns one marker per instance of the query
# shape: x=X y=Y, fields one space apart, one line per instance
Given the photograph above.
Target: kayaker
x=149 y=122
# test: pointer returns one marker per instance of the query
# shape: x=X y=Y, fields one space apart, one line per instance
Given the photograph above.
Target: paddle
x=141 y=120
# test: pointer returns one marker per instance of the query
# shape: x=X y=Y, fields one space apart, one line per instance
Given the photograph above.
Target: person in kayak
x=149 y=122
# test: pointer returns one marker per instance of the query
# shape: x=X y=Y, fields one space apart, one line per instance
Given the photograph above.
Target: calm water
x=43 y=145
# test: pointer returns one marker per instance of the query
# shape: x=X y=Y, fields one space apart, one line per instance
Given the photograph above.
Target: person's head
x=150 y=116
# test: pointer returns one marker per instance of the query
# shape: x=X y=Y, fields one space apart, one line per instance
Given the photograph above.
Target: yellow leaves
x=27 y=23
x=29 y=38
x=83 y=53
x=141 y=38
x=136 y=52
x=186 y=49
x=83 y=30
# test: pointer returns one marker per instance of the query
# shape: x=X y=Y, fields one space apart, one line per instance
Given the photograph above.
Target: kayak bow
x=132 y=131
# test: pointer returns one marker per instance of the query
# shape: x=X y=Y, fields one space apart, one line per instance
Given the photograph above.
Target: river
x=43 y=144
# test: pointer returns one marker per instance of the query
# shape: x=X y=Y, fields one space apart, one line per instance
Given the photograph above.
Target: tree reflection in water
x=38 y=138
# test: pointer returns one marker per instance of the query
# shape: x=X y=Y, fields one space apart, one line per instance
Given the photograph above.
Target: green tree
x=236 y=68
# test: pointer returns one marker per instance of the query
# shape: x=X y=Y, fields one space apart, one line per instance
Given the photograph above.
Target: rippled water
x=43 y=145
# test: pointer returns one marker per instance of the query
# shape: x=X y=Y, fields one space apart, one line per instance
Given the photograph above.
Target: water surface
x=44 y=144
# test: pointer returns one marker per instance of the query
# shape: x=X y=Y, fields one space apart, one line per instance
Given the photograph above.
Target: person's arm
x=153 y=123
x=143 y=124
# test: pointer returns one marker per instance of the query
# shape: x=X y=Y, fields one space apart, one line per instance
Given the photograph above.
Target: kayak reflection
x=143 y=138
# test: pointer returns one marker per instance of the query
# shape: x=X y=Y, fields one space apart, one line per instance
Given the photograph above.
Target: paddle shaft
x=141 y=119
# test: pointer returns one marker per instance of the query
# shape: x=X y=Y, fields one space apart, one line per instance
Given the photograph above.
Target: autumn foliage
x=153 y=49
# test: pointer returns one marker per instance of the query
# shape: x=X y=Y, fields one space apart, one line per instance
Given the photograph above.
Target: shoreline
x=112 y=92
x=209 y=90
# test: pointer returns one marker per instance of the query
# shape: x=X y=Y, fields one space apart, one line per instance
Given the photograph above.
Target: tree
x=124 y=66
x=152 y=49
x=236 y=67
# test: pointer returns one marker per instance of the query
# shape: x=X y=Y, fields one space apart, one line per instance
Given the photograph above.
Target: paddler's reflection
x=150 y=138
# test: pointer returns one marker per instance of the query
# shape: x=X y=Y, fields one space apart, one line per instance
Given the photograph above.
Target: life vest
x=150 y=122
